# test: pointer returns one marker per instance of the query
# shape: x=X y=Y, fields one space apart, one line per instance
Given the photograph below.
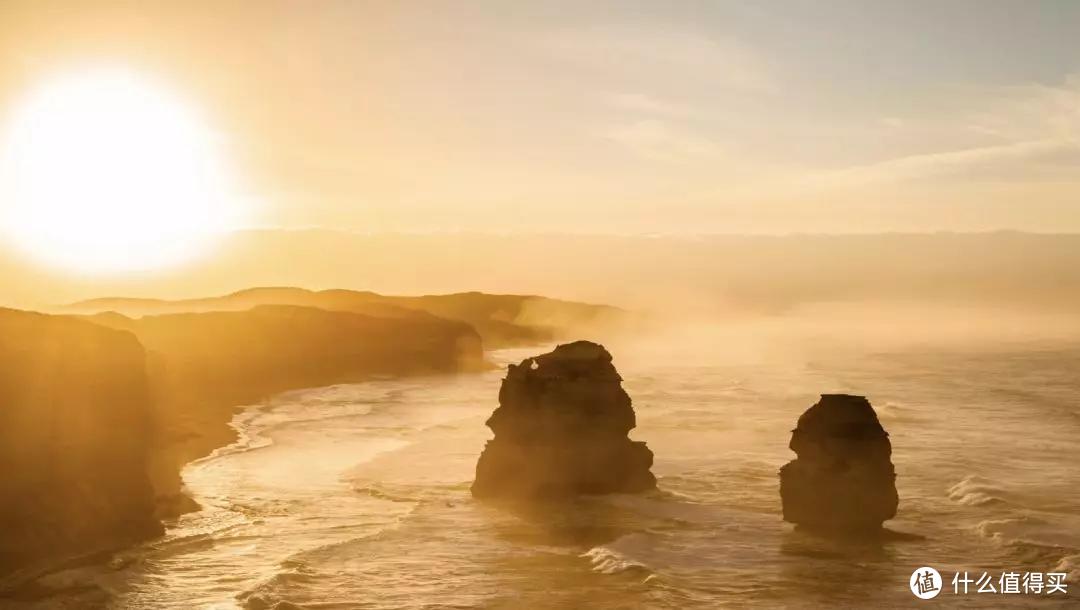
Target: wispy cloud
x=944 y=163
x=679 y=53
x=659 y=140
x=658 y=90
x=657 y=129
x=652 y=105
x=1021 y=126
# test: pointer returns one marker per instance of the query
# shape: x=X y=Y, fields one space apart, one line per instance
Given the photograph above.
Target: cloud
x=1005 y=143
x=931 y=165
x=1029 y=112
x=1008 y=133
x=651 y=105
x=892 y=123
x=659 y=140
x=669 y=53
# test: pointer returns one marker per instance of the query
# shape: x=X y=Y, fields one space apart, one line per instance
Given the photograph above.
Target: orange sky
x=611 y=118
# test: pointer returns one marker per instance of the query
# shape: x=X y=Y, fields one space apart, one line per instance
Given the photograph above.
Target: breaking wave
x=976 y=491
x=615 y=558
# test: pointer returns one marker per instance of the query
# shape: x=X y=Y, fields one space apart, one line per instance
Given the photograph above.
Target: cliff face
x=843 y=480
x=561 y=430
x=74 y=408
x=202 y=365
x=99 y=414
x=245 y=355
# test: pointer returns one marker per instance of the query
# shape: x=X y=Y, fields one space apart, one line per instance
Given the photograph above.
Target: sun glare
x=105 y=170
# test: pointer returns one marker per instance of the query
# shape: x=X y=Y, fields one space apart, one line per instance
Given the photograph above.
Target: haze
x=538 y=304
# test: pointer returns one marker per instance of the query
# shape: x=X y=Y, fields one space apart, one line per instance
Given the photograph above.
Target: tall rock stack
x=561 y=430
x=843 y=480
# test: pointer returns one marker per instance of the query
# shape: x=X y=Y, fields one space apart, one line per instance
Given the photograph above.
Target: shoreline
x=218 y=432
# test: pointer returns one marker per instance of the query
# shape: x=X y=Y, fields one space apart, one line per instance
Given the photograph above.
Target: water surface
x=356 y=496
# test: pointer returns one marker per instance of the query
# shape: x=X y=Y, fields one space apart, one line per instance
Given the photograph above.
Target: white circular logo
x=925 y=583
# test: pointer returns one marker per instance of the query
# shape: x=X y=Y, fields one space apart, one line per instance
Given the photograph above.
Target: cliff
x=242 y=355
x=202 y=365
x=561 y=430
x=98 y=414
x=501 y=320
x=74 y=415
x=843 y=480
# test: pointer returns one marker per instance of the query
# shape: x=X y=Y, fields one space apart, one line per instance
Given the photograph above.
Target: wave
x=1069 y=565
x=267 y=594
x=669 y=508
x=248 y=437
x=382 y=492
x=977 y=499
x=254 y=422
x=271 y=417
x=1007 y=530
x=340 y=394
x=1033 y=540
x=607 y=561
x=895 y=412
x=974 y=490
x=614 y=558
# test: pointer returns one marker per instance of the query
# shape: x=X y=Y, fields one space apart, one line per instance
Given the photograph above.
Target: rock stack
x=561 y=430
x=842 y=481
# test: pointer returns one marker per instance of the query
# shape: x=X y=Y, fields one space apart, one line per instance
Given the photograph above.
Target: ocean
x=357 y=496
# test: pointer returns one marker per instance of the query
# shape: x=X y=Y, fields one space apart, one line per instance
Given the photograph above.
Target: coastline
x=147 y=396
x=218 y=431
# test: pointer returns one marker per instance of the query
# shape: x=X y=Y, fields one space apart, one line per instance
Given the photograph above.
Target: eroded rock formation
x=842 y=481
x=561 y=430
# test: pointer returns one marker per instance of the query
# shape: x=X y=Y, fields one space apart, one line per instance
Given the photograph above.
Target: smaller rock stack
x=843 y=480
x=561 y=430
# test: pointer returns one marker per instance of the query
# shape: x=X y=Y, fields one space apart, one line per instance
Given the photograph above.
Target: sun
x=106 y=170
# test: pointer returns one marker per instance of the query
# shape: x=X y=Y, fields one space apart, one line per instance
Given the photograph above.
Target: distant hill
x=675 y=275
x=501 y=320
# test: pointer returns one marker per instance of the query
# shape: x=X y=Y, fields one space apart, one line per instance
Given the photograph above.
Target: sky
x=625 y=117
